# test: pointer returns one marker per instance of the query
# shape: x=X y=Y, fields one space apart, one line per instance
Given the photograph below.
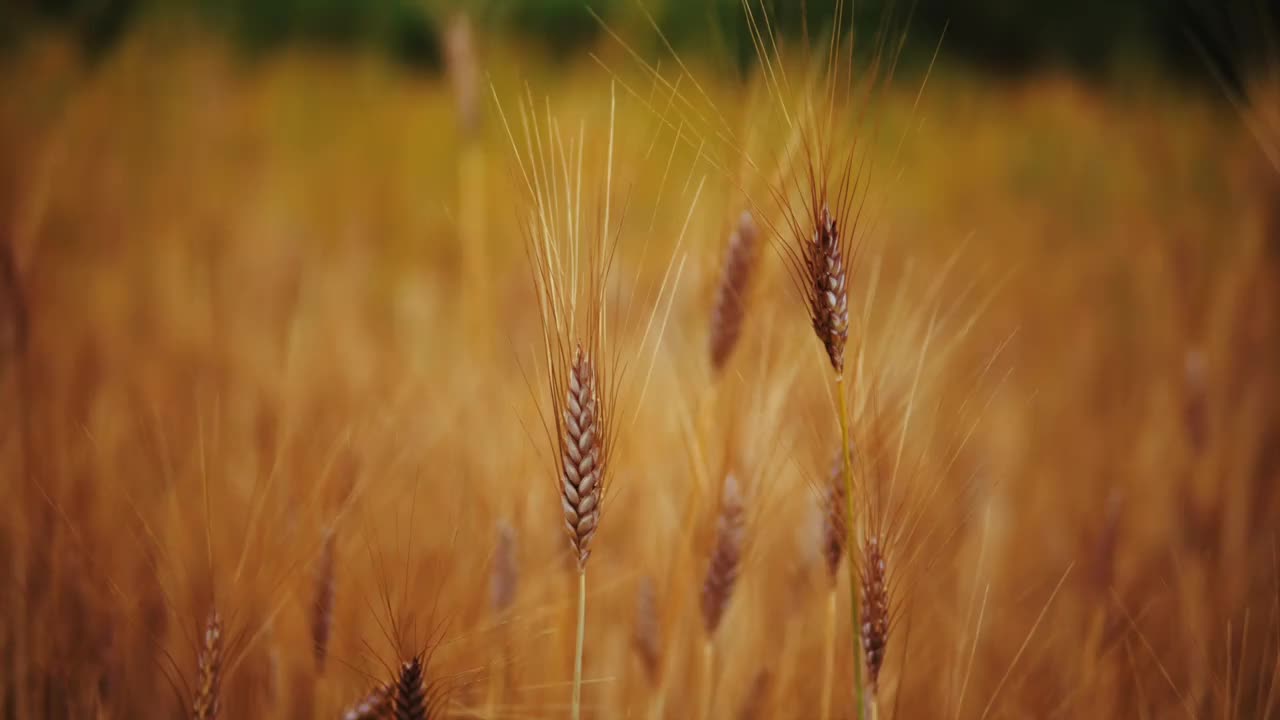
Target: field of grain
x=271 y=348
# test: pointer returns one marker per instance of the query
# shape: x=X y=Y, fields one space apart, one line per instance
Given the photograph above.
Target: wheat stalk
x=582 y=472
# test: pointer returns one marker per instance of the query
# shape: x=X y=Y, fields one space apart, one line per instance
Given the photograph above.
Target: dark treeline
x=1192 y=39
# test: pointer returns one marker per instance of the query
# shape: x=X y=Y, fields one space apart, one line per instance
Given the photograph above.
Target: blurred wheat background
x=270 y=347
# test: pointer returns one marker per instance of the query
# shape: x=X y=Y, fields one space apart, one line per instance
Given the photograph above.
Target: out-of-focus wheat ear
x=828 y=293
x=322 y=608
x=875 y=609
x=648 y=632
x=756 y=704
x=411 y=692
x=1195 y=402
x=460 y=59
x=374 y=706
x=581 y=456
x=13 y=309
x=207 y=700
x=505 y=573
x=730 y=307
x=834 y=508
x=726 y=556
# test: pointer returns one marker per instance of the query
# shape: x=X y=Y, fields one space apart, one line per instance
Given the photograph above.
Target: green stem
x=849 y=540
x=577 y=657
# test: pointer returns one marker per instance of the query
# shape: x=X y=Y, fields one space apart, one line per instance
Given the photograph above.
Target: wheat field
x=274 y=349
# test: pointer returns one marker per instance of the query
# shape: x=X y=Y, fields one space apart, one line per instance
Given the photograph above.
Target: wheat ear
x=834 y=539
x=875 y=603
x=322 y=608
x=721 y=577
x=648 y=643
x=582 y=471
x=209 y=681
x=731 y=294
x=410 y=701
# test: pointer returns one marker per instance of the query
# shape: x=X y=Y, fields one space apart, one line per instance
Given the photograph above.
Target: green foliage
x=1003 y=35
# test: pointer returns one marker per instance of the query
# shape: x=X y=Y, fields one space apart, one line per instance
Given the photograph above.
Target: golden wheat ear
x=208 y=696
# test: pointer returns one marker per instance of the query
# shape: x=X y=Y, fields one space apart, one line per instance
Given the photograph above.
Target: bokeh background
x=265 y=301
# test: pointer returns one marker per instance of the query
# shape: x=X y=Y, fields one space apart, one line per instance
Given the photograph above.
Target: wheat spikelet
x=834 y=508
x=828 y=294
x=648 y=633
x=410 y=692
x=731 y=294
x=322 y=608
x=505 y=574
x=875 y=604
x=581 y=454
x=374 y=706
x=209 y=680
x=726 y=556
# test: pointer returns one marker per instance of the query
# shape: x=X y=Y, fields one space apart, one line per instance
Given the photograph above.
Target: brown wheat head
x=827 y=291
x=834 y=506
x=875 y=609
x=731 y=294
x=648 y=632
x=726 y=555
x=582 y=455
x=505 y=574
x=410 y=692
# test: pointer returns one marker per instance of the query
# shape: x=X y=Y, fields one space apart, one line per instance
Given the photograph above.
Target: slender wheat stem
x=577 y=656
x=829 y=655
x=708 y=678
x=852 y=564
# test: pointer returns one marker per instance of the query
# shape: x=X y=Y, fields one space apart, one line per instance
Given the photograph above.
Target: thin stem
x=708 y=678
x=829 y=662
x=851 y=563
x=577 y=657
